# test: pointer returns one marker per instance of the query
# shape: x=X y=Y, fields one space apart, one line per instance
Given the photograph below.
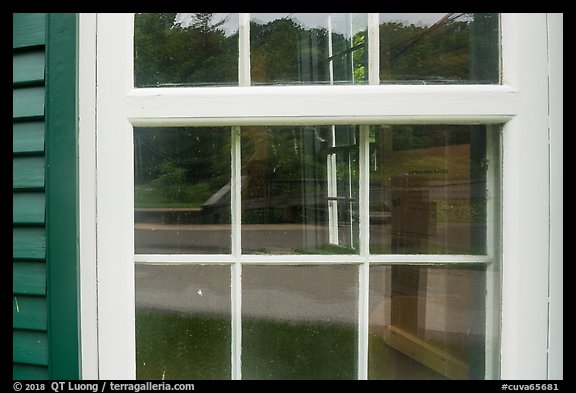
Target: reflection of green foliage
x=169 y=183
x=166 y=52
x=181 y=196
x=283 y=51
x=180 y=167
x=176 y=346
x=197 y=347
x=298 y=350
x=461 y=49
x=406 y=137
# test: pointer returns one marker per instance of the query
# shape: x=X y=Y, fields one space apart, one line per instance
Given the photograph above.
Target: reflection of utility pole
x=331 y=160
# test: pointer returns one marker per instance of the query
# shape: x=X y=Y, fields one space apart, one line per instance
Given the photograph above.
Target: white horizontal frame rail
x=269 y=105
x=403 y=259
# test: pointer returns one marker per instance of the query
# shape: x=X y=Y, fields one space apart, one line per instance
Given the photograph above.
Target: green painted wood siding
x=30 y=309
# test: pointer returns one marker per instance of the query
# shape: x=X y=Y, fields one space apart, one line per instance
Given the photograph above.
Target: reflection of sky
x=319 y=19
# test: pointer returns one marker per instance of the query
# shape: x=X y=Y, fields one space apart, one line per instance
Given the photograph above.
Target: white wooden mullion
x=525 y=200
x=115 y=199
x=87 y=194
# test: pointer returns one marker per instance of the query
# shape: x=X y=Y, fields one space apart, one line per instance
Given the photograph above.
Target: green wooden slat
x=28 y=137
x=28 y=30
x=28 y=208
x=30 y=347
x=28 y=372
x=29 y=312
x=28 y=67
x=29 y=243
x=28 y=102
x=27 y=172
x=29 y=278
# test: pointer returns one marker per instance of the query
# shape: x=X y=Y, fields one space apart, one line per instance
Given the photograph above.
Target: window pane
x=430 y=189
x=185 y=49
x=299 y=322
x=439 y=48
x=182 y=190
x=299 y=190
x=308 y=48
x=427 y=322
x=183 y=322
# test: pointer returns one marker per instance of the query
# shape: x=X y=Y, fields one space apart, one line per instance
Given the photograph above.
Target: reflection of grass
x=190 y=196
x=327 y=249
x=282 y=350
x=177 y=346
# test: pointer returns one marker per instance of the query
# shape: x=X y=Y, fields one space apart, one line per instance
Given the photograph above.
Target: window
x=320 y=210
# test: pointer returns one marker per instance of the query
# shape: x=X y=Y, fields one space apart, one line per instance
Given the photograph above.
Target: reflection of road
x=326 y=293
x=279 y=238
x=211 y=239
x=289 y=293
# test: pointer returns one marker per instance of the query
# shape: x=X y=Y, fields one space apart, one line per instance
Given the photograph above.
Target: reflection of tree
x=182 y=165
x=458 y=47
x=167 y=52
x=284 y=51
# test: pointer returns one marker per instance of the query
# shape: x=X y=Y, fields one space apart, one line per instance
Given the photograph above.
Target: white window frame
x=109 y=107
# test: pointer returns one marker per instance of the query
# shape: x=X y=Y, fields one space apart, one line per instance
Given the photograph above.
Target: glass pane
x=299 y=322
x=430 y=189
x=182 y=190
x=427 y=322
x=308 y=48
x=183 y=322
x=299 y=190
x=439 y=48
x=185 y=49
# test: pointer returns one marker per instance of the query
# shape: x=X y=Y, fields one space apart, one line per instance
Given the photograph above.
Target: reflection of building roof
x=220 y=196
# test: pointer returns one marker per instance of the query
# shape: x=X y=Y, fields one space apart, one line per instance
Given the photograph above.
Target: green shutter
x=29 y=302
x=28 y=30
x=44 y=213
